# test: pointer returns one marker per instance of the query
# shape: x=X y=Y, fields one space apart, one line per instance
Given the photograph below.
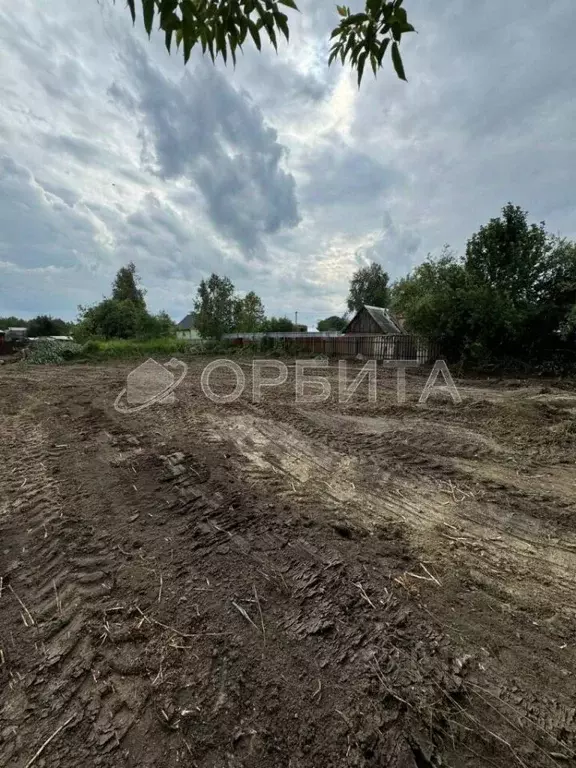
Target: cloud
x=209 y=133
x=38 y=228
x=342 y=175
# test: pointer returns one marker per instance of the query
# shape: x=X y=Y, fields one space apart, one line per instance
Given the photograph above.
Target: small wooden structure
x=373 y=320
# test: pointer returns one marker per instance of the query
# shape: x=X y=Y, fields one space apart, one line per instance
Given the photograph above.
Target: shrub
x=52 y=351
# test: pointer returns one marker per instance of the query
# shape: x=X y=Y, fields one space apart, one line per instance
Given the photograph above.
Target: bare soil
x=283 y=584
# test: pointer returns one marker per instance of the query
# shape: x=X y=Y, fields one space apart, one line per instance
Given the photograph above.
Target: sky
x=280 y=173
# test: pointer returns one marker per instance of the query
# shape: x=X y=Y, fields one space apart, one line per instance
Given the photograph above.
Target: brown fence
x=389 y=347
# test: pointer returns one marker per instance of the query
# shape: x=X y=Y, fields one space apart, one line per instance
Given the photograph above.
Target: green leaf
x=188 y=45
x=148 y=11
x=210 y=44
x=132 y=10
x=272 y=36
x=168 y=39
x=349 y=45
x=341 y=10
x=290 y=4
x=357 y=48
x=253 y=29
x=221 y=42
x=243 y=24
x=333 y=54
x=171 y=22
x=361 y=63
x=373 y=6
x=167 y=10
x=397 y=61
x=282 y=21
x=383 y=49
x=357 y=18
x=203 y=39
x=401 y=15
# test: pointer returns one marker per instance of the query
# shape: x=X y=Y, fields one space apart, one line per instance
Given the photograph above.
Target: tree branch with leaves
x=222 y=27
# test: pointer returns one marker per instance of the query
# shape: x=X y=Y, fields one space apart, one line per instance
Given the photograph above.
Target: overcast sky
x=279 y=174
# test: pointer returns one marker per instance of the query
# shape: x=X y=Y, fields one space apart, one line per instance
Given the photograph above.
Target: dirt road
x=284 y=584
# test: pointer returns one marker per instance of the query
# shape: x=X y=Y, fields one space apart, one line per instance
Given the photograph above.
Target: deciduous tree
x=214 y=307
x=333 y=323
x=126 y=286
x=369 y=285
x=249 y=313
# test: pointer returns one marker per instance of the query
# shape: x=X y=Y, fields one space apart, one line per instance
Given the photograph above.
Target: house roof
x=188 y=323
x=382 y=317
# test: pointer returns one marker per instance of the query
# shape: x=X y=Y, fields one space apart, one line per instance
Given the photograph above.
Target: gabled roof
x=188 y=323
x=382 y=317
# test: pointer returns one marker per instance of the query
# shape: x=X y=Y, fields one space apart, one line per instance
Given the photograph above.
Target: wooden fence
x=385 y=347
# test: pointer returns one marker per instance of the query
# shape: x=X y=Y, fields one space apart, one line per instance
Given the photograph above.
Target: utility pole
x=296 y=321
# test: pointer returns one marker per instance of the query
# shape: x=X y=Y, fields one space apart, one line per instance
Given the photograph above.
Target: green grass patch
x=119 y=349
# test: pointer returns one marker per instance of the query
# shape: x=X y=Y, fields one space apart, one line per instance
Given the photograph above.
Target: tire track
x=59 y=589
x=502 y=551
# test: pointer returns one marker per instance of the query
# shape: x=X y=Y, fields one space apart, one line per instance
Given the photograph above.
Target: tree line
x=510 y=297
x=42 y=325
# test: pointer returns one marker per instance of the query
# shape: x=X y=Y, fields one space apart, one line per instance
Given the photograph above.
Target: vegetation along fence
x=385 y=347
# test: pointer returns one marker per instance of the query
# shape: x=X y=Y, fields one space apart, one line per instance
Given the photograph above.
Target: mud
x=279 y=584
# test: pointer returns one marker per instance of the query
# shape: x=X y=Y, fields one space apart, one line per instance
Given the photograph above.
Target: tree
x=278 y=325
x=333 y=323
x=124 y=315
x=369 y=285
x=222 y=27
x=126 y=286
x=12 y=322
x=214 y=307
x=509 y=255
x=511 y=298
x=44 y=325
x=113 y=319
x=248 y=313
x=434 y=300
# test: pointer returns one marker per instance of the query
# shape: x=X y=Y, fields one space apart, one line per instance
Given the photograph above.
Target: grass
x=95 y=350
x=118 y=349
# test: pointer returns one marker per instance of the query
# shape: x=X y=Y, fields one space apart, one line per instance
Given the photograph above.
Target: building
x=185 y=329
x=381 y=335
x=374 y=320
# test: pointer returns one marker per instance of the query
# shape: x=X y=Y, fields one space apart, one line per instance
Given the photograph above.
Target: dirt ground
x=286 y=584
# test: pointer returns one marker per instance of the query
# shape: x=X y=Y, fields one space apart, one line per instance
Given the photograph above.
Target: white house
x=185 y=328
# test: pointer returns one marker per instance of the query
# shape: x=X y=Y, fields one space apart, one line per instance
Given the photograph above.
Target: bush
x=90 y=347
x=52 y=351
